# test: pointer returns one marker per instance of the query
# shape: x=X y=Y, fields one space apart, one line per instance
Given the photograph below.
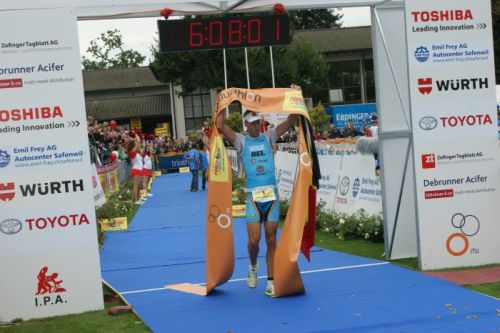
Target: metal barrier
x=335 y=147
x=124 y=171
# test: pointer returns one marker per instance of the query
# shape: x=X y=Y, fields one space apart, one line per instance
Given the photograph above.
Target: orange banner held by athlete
x=300 y=215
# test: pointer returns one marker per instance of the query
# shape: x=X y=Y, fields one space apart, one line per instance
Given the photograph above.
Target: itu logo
x=4 y=158
x=421 y=54
x=216 y=216
x=469 y=226
x=428 y=123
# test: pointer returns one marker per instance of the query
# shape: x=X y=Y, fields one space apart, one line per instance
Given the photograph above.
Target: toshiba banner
x=48 y=242
x=454 y=122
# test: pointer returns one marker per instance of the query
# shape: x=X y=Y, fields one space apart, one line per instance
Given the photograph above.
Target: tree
x=315 y=19
x=319 y=119
x=235 y=121
x=297 y=63
x=107 y=52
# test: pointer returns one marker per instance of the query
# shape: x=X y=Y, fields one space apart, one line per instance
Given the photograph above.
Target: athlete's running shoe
x=270 y=288
x=252 y=276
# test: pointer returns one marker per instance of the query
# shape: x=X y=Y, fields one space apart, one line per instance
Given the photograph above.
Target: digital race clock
x=224 y=32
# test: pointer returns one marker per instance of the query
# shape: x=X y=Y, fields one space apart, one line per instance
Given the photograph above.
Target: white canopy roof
x=106 y=9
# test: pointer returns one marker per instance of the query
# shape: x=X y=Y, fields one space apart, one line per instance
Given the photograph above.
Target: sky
x=139 y=34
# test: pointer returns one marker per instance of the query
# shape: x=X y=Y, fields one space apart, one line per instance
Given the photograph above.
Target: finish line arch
x=405 y=208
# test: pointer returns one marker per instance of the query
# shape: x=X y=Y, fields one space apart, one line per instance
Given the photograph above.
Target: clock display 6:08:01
x=224 y=32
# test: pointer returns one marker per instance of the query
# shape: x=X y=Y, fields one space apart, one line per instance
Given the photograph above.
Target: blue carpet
x=165 y=244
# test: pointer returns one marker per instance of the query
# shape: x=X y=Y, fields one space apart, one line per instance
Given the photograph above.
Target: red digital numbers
x=234 y=32
x=226 y=32
x=195 y=37
x=253 y=34
x=215 y=33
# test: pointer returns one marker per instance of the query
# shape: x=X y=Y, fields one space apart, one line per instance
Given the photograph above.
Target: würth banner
x=48 y=244
x=452 y=91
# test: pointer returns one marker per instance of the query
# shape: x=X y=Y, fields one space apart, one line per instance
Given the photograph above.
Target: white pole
x=272 y=64
x=246 y=67
x=172 y=110
x=225 y=76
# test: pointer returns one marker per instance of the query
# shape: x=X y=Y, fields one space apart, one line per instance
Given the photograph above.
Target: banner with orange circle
x=219 y=242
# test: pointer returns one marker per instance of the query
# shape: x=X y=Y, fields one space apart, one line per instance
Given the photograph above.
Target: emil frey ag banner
x=454 y=121
x=48 y=243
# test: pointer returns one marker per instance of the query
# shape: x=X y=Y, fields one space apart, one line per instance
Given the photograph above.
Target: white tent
x=397 y=97
x=106 y=9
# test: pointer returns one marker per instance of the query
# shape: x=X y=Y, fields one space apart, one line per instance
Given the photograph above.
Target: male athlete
x=262 y=204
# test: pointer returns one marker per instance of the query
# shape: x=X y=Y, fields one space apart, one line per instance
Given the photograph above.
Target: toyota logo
x=10 y=226
x=428 y=123
x=344 y=185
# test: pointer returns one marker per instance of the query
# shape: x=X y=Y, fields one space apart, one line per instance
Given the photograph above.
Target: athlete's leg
x=271 y=229
x=253 y=230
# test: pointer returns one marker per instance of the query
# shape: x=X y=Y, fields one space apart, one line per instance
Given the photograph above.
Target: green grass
x=492 y=289
x=360 y=247
x=88 y=322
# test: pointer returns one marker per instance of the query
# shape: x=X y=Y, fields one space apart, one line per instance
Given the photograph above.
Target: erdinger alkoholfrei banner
x=48 y=243
x=220 y=247
x=454 y=121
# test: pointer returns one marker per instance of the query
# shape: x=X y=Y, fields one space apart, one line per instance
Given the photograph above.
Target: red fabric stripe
x=310 y=226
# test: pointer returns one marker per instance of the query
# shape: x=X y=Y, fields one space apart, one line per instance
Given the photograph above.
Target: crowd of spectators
x=106 y=137
x=368 y=128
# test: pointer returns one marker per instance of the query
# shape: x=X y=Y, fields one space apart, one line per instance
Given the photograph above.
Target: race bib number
x=263 y=194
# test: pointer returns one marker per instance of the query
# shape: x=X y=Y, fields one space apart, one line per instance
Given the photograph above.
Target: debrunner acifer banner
x=48 y=244
x=454 y=125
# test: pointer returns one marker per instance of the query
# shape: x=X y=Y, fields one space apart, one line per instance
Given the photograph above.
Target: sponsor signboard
x=173 y=162
x=358 y=186
x=239 y=210
x=99 y=195
x=359 y=114
x=116 y=224
x=48 y=240
x=136 y=124
x=452 y=91
x=348 y=183
x=108 y=176
x=286 y=168
x=233 y=156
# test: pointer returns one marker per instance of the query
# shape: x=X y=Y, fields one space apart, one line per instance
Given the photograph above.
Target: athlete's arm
x=284 y=126
x=290 y=121
x=224 y=129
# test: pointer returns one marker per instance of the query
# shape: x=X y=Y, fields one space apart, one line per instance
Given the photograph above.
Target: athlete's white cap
x=252 y=116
